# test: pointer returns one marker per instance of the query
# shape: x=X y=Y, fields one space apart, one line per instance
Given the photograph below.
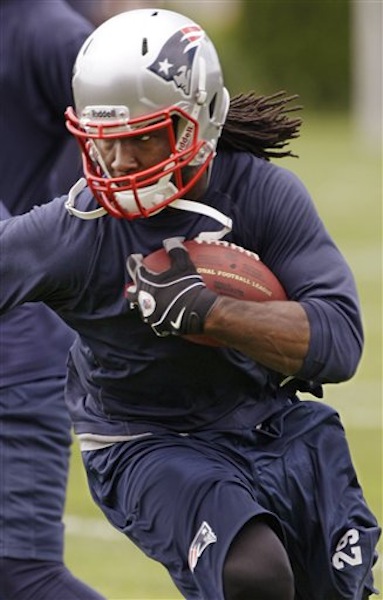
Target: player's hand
x=175 y=301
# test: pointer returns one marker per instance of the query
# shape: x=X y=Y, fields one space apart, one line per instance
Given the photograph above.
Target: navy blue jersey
x=38 y=159
x=23 y=356
x=122 y=378
x=35 y=75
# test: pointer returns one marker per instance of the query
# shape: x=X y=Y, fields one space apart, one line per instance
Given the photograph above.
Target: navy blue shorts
x=183 y=498
x=34 y=454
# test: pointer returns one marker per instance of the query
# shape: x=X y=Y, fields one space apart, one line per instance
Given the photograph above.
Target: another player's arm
x=275 y=334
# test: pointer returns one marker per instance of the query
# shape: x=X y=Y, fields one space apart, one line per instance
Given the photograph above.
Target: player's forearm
x=275 y=334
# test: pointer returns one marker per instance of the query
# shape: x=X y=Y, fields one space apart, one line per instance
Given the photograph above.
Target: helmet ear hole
x=219 y=107
x=212 y=106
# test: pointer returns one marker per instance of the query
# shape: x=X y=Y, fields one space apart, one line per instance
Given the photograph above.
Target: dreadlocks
x=260 y=125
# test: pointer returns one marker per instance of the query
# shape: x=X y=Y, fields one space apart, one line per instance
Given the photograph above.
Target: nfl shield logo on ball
x=204 y=536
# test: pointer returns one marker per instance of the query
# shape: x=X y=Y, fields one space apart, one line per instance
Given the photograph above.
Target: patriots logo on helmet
x=175 y=61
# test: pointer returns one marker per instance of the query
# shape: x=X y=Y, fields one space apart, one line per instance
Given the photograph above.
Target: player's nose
x=125 y=160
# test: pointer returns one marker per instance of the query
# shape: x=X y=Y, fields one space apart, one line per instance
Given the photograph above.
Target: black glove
x=175 y=301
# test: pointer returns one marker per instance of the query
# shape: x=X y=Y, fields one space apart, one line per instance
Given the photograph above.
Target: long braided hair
x=260 y=125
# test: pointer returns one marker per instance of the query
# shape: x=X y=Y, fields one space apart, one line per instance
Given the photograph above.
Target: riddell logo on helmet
x=186 y=138
x=104 y=113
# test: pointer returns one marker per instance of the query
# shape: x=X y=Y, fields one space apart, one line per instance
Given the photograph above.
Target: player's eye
x=145 y=137
x=105 y=145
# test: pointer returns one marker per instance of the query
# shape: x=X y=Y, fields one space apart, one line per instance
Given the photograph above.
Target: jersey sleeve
x=37 y=257
x=291 y=239
x=318 y=276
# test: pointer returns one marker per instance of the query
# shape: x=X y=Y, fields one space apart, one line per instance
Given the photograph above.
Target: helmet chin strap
x=180 y=204
x=149 y=196
x=209 y=211
x=75 y=190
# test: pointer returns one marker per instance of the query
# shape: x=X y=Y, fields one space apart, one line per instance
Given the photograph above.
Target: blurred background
x=329 y=52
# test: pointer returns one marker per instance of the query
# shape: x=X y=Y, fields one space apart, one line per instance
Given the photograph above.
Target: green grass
x=343 y=174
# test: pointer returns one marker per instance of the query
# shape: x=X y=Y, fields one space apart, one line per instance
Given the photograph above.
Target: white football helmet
x=142 y=69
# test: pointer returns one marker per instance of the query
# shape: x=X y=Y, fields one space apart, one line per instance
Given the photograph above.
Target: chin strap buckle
x=75 y=190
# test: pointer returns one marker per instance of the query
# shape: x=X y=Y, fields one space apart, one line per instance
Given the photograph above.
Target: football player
x=207 y=458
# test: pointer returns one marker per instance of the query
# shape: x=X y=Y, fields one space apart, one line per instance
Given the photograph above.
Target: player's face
x=127 y=156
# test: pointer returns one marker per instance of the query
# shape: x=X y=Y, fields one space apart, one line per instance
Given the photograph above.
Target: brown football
x=228 y=270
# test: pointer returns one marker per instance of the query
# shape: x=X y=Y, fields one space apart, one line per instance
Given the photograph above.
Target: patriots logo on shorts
x=175 y=60
x=204 y=536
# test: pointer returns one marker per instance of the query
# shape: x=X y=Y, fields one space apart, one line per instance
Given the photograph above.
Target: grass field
x=343 y=174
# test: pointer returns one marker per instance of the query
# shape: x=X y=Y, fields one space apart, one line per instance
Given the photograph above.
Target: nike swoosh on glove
x=174 y=302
